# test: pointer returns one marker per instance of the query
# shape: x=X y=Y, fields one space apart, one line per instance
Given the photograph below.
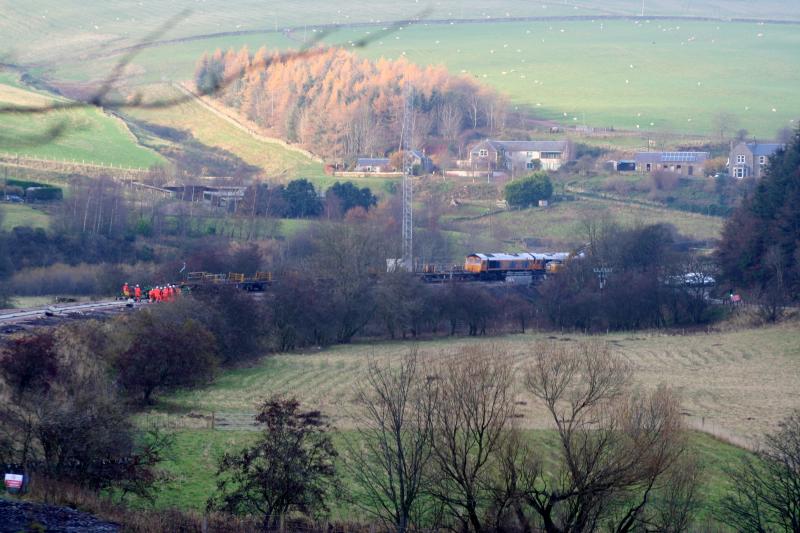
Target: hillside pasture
x=193 y=462
x=560 y=223
x=13 y=215
x=650 y=75
x=28 y=32
x=735 y=384
x=208 y=128
x=82 y=134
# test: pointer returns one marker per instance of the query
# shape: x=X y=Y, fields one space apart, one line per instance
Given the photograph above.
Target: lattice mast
x=408 y=189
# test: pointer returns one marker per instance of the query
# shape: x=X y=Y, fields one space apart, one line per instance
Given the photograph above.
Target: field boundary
x=91 y=168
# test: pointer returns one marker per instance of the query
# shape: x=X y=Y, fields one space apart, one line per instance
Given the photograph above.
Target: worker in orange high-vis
x=158 y=294
x=126 y=291
x=177 y=290
x=168 y=293
x=137 y=293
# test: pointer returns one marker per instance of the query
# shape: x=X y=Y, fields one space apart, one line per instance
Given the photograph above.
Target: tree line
x=341 y=106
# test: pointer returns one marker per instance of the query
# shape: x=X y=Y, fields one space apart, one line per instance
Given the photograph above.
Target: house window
x=691 y=170
x=529 y=154
x=483 y=153
x=649 y=167
x=529 y=165
x=740 y=159
x=738 y=172
x=551 y=155
x=762 y=160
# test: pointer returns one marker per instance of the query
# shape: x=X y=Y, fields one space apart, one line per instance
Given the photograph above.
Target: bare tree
x=391 y=448
x=472 y=408
x=724 y=123
x=766 y=489
x=617 y=448
x=451 y=119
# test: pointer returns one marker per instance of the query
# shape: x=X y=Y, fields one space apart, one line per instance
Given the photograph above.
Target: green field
x=736 y=384
x=673 y=76
x=193 y=462
x=662 y=75
x=29 y=33
x=14 y=215
x=274 y=158
x=733 y=384
x=560 y=224
x=84 y=134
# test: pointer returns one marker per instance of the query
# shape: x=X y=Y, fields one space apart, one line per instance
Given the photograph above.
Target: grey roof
x=671 y=157
x=530 y=146
x=372 y=161
x=767 y=149
x=524 y=146
x=418 y=154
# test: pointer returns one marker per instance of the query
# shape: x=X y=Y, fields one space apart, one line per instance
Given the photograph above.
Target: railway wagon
x=496 y=266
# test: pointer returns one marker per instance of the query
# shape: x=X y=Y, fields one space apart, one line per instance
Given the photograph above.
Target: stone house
x=750 y=159
x=519 y=156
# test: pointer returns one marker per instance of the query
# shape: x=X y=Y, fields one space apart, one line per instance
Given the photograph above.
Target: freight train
x=496 y=266
x=477 y=267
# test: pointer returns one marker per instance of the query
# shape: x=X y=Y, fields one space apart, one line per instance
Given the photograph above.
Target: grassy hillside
x=211 y=130
x=88 y=133
x=657 y=75
x=85 y=28
x=560 y=224
x=734 y=383
x=193 y=464
x=13 y=215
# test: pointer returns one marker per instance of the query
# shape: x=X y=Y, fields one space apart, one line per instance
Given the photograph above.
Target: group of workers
x=165 y=293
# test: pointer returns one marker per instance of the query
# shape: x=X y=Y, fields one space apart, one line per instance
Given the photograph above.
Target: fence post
x=213 y=420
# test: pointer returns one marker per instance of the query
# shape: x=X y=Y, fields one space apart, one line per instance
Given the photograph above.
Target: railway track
x=15 y=320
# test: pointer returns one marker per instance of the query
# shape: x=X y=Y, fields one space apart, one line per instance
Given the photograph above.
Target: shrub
x=529 y=190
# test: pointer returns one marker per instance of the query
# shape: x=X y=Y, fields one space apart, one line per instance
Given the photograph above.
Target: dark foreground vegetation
x=436 y=445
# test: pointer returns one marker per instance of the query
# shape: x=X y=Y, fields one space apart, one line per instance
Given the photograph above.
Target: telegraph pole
x=408 y=190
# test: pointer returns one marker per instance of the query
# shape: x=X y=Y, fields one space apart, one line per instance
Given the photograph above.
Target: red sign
x=13 y=481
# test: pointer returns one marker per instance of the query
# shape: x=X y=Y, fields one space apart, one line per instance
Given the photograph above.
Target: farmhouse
x=683 y=163
x=419 y=159
x=519 y=156
x=373 y=164
x=750 y=159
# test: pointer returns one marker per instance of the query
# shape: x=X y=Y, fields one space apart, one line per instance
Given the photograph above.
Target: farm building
x=749 y=159
x=373 y=164
x=518 y=156
x=683 y=163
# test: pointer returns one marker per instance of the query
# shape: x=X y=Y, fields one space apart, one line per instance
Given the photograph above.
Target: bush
x=167 y=349
x=529 y=190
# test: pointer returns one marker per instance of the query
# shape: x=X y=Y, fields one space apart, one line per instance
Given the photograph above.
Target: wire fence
x=219 y=421
x=71 y=165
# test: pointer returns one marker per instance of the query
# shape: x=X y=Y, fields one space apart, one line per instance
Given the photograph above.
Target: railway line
x=13 y=320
